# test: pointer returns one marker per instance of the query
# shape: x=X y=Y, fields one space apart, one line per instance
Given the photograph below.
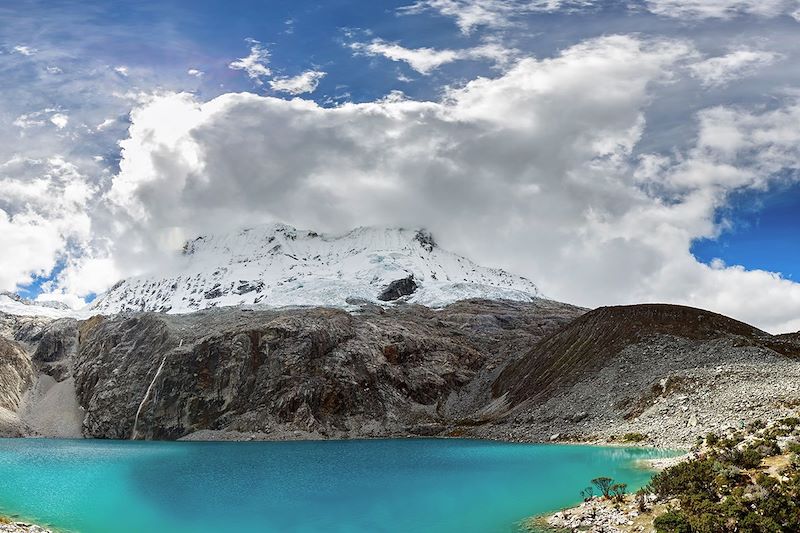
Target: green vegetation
x=741 y=482
x=608 y=488
x=634 y=437
x=745 y=481
x=618 y=491
x=603 y=484
x=672 y=522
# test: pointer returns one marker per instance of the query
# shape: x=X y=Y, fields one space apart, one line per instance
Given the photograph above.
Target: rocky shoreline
x=598 y=516
x=604 y=515
x=637 y=513
x=11 y=526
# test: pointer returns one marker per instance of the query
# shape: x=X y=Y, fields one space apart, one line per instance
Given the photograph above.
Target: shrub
x=717 y=493
x=672 y=522
x=618 y=491
x=692 y=477
x=634 y=437
x=748 y=458
x=790 y=421
x=641 y=499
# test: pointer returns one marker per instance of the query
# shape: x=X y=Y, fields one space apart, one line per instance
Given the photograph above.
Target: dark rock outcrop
x=494 y=369
x=319 y=371
x=397 y=289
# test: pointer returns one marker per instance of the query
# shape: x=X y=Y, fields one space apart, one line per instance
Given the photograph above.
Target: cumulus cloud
x=425 y=60
x=39 y=217
x=307 y=82
x=534 y=170
x=254 y=64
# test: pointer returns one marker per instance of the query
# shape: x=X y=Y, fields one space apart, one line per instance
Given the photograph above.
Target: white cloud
x=306 y=82
x=59 y=120
x=532 y=170
x=470 y=14
x=721 y=8
x=255 y=64
x=122 y=70
x=425 y=60
x=38 y=118
x=81 y=276
x=195 y=72
x=39 y=217
x=717 y=71
x=28 y=120
x=493 y=14
x=24 y=50
x=107 y=123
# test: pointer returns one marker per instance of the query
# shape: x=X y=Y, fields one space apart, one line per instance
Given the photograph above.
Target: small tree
x=603 y=484
x=618 y=491
x=587 y=494
x=641 y=499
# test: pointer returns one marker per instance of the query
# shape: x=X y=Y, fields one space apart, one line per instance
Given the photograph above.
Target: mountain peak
x=277 y=265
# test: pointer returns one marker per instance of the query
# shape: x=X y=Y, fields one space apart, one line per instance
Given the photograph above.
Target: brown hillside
x=586 y=345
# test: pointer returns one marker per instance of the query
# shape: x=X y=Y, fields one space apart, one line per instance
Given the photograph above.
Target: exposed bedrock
x=495 y=369
x=319 y=371
x=398 y=288
x=16 y=373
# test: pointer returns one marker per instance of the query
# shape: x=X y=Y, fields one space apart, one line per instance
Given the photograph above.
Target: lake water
x=413 y=485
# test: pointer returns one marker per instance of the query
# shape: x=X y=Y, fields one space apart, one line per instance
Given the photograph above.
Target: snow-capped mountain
x=14 y=304
x=277 y=266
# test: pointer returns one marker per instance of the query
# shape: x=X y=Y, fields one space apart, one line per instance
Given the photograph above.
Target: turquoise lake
x=349 y=486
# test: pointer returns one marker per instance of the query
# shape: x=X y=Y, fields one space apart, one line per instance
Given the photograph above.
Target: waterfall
x=147 y=394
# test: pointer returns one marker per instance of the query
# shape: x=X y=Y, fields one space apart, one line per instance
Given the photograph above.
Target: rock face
x=397 y=289
x=16 y=373
x=43 y=401
x=321 y=372
x=532 y=371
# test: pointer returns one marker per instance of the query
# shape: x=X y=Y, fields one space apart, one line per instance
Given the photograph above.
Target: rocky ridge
x=668 y=372
x=295 y=373
x=473 y=368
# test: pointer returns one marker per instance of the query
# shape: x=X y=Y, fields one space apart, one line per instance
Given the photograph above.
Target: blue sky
x=762 y=232
x=611 y=151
